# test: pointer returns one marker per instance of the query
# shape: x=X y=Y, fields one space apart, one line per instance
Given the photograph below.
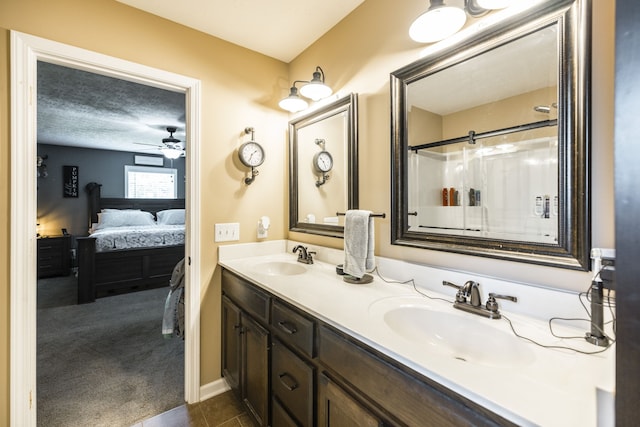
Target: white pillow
x=124 y=218
x=171 y=217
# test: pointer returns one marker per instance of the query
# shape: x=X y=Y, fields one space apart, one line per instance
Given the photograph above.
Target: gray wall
x=101 y=166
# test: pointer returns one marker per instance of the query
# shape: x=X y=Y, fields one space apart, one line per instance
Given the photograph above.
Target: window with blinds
x=143 y=182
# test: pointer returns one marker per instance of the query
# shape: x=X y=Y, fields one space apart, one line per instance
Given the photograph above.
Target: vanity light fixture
x=293 y=103
x=442 y=19
x=314 y=89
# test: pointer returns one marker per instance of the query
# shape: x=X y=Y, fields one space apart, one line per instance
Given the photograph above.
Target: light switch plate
x=227 y=232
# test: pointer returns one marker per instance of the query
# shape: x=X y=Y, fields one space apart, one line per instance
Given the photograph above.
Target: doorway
x=26 y=51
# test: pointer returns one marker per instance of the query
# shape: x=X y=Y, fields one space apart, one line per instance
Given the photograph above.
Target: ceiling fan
x=171 y=147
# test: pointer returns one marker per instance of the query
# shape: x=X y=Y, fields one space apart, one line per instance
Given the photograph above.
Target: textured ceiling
x=82 y=109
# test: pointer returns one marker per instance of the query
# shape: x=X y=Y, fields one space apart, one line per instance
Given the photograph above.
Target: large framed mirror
x=323 y=167
x=490 y=142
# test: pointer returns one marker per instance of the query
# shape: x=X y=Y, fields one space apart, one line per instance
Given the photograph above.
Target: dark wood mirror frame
x=573 y=18
x=348 y=104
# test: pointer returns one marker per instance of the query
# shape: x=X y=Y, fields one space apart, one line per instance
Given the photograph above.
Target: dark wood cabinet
x=231 y=345
x=245 y=344
x=255 y=369
x=54 y=256
x=316 y=375
x=336 y=408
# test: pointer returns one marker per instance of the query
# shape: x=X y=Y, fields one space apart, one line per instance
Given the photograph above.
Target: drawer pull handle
x=287 y=327
x=288 y=381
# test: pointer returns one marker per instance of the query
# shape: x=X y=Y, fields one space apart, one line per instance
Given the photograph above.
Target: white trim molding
x=26 y=51
x=213 y=389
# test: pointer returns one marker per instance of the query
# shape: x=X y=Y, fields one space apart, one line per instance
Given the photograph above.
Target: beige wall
x=358 y=54
x=240 y=88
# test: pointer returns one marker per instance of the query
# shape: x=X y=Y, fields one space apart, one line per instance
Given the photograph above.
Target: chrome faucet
x=304 y=256
x=471 y=290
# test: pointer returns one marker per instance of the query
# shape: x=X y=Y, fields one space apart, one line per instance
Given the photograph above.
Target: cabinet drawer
x=50 y=258
x=292 y=383
x=50 y=245
x=280 y=417
x=246 y=295
x=293 y=328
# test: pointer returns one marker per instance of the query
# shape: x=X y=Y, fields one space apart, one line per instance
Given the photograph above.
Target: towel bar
x=375 y=215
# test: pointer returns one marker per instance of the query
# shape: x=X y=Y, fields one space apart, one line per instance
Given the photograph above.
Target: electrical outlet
x=227 y=232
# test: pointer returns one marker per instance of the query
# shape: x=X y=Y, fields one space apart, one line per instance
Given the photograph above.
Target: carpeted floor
x=104 y=363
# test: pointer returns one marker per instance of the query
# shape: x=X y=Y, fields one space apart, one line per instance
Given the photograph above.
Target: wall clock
x=251 y=154
x=322 y=161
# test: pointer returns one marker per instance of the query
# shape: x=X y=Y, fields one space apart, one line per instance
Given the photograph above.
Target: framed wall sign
x=70 y=181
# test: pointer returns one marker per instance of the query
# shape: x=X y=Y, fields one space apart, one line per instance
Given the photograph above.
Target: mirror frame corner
x=348 y=104
x=574 y=133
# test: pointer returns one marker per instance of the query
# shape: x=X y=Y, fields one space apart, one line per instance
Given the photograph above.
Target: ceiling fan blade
x=150 y=145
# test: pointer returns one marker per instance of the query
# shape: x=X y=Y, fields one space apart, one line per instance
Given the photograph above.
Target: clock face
x=251 y=154
x=323 y=161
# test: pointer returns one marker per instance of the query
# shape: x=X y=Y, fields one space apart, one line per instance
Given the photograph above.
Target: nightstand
x=54 y=256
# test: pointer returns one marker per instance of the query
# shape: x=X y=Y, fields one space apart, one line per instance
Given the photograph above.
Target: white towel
x=359 y=243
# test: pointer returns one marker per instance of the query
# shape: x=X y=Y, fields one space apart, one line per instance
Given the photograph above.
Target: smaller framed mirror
x=323 y=167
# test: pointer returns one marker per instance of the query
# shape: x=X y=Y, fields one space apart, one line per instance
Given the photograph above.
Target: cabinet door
x=231 y=344
x=338 y=409
x=255 y=390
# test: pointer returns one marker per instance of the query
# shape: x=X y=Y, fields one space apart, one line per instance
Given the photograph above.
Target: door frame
x=26 y=51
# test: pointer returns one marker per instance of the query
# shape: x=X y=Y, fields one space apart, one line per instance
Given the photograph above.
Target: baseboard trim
x=212 y=389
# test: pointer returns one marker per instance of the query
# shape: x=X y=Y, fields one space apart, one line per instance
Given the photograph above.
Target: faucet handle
x=460 y=296
x=507 y=297
x=492 y=304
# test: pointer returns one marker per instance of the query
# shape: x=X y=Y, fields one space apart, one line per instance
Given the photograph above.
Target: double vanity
x=303 y=347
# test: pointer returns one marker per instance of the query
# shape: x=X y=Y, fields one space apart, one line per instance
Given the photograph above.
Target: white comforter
x=108 y=239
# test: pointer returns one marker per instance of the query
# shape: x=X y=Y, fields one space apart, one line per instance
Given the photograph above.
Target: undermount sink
x=462 y=336
x=279 y=268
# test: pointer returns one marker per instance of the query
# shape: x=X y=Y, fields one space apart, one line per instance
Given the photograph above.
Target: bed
x=138 y=255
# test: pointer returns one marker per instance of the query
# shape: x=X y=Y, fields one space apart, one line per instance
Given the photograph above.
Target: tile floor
x=223 y=410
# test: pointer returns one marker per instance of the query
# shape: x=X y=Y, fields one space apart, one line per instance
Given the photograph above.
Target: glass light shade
x=494 y=4
x=437 y=24
x=171 y=153
x=293 y=103
x=315 y=90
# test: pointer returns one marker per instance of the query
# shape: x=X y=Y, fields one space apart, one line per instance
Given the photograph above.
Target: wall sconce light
x=293 y=103
x=314 y=89
x=442 y=20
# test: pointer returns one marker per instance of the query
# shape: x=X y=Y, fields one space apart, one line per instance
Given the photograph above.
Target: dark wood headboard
x=97 y=203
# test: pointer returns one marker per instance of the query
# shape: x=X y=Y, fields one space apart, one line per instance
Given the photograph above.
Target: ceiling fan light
x=437 y=23
x=171 y=153
x=293 y=103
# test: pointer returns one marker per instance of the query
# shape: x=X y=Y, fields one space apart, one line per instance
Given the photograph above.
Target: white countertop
x=550 y=387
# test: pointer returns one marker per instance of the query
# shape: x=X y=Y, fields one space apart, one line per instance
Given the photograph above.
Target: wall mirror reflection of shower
x=485 y=127
x=490 y=142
